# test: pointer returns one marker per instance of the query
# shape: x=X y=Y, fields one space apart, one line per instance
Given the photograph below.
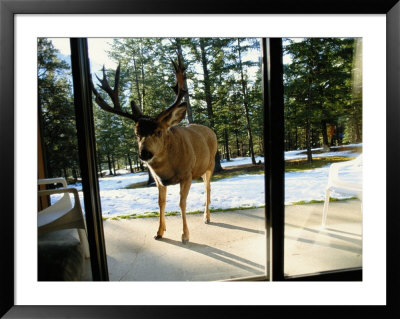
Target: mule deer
x=173 y=154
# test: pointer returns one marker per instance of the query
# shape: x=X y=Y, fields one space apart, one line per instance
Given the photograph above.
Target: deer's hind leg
x=207 y=187
x=162 y=195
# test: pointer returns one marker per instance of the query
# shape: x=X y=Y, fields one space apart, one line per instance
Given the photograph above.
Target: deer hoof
x=206 y=221
x=157 y=237
x=185 y=240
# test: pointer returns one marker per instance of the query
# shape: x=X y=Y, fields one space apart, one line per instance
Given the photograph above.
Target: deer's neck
x=160 y=164
x=167 y=168
x=164 y=173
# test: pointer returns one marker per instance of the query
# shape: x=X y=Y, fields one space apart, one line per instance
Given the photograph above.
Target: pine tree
x=56 y=112
x=318 y=88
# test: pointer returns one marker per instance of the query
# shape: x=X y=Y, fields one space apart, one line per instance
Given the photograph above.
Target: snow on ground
x=117 y=182
x=240 y=161
x=291 y=155
x=240 y=191
x=137 y=201
x=302 y=153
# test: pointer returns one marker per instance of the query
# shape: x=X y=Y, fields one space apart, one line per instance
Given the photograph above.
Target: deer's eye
x=158 y=133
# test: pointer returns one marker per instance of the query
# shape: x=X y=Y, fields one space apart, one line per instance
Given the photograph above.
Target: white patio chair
x=341 y=186
x=62 y=214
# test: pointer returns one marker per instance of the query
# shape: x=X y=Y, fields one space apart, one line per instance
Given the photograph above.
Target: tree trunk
x=357 y=129
x=109 y=164
x=237 y=143
x=217 y=167
x=226 y=145
x=308 y=141
x=246 y=107
x=137 y=84
x=113 y=164
x=325 y=140
x=130 y=163
x=99 y=165
x=309 y=114
x=142 y=69
x=207 y=91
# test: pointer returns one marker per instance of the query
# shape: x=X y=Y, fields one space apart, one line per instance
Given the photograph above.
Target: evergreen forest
x=322 y=96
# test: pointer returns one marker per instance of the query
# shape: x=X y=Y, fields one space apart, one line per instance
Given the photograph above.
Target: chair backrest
x=55 y=180
x=65 y=201
x=344 y=186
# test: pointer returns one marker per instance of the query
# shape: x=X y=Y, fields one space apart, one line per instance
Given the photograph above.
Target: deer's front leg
x=162 y=194
x=185 y=187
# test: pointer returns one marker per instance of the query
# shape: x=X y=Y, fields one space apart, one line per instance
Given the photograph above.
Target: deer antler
x=136 y=111
x=113 y=93
x=180 y=82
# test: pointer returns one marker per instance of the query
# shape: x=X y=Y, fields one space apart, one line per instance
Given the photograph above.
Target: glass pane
x=223 y=81
x=323 y=148
x=62 y=253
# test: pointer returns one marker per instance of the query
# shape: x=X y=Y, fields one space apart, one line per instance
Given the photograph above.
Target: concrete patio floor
x=233 y=245
x=311 y=249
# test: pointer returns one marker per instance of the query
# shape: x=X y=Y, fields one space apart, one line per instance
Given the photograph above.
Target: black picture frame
x=8 y=10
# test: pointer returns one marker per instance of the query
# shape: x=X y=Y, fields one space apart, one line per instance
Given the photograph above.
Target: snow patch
x=239 y=191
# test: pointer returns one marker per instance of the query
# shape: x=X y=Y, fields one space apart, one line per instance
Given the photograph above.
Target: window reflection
x=323 y=147
x=62 y=237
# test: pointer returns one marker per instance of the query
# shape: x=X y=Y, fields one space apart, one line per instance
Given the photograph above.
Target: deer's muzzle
x=145 y=155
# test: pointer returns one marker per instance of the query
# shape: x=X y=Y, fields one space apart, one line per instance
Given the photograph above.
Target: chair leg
x=84 y=242
x=326 y=204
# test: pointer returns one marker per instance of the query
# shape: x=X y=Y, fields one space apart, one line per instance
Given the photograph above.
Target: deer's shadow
x=229 y=226
x=219 y=254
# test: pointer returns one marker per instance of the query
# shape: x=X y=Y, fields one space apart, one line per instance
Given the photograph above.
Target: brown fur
x=180 y=154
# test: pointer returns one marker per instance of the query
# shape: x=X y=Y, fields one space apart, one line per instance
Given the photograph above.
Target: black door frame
x=87 y=157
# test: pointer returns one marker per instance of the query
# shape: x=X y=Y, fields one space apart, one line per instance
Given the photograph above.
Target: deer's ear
x=173 y=115
x=137 y=113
